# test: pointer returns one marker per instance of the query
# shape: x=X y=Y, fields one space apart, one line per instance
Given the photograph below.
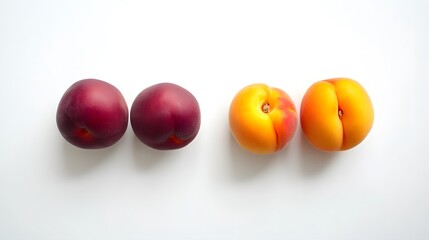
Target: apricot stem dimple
x=266 y=108
x=340 y=113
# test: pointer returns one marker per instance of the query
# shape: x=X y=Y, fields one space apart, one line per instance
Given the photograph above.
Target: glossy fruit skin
x=165 y=116
x=258 y=127
x=336 y=114
x=92 y=114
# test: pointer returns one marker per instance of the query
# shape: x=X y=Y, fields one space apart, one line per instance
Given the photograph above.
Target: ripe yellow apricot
x=262 y=119
x=336 y=114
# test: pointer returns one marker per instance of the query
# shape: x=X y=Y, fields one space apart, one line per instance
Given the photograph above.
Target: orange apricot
x=336 y=114
x=262 y=119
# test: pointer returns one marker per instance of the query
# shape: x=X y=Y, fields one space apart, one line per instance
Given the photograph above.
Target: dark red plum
x=92 y=114
x=165 y=116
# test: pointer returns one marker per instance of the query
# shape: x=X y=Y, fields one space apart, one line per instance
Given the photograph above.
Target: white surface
x=212 y=189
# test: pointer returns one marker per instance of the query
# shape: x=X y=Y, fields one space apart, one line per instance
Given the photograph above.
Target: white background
x=212 y=189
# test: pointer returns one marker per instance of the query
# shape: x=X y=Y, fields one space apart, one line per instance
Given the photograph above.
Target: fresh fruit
x=92 y=114
x=262 y=119
x=336 y=114
x=165 y=116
